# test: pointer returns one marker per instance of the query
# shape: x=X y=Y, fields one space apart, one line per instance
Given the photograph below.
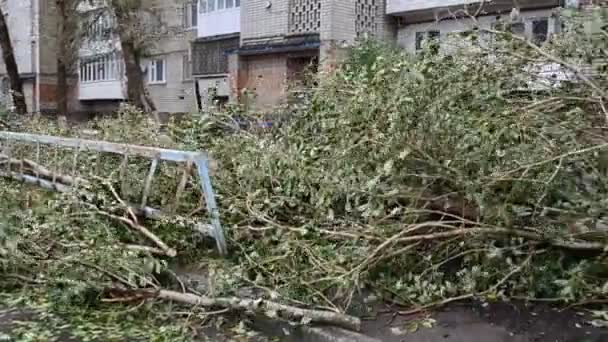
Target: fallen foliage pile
x=420 y=179
x=429 y=179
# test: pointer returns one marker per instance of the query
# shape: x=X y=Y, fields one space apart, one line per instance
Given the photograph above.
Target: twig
x=437 y=304
x=558 y=243
x=472 y=295
x=556 y=158
x=25 y=279
x=392 y=240
x=577 y=72
x=145 y=249
x=41 y=171
x=601 y=102
x=170 y=252
x=106 y=272
x=514 y=271
x=587 y=302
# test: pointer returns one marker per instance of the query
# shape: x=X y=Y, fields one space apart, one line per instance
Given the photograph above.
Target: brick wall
x=267 y=79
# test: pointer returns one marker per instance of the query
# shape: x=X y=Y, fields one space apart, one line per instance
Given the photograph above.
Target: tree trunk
x=62 y=55
x=11 y=67
x=136 y=91
x=135 y=80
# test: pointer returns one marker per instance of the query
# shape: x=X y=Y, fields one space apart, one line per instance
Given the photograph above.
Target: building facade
x=32 y=26
x=261 y=49
x=170 y=26
x=270 y=45
x=209 y=52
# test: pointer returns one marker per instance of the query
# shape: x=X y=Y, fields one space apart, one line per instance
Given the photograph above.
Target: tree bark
x=62 y=55
x=136 y=91
x=135 y=81
x=11 y=67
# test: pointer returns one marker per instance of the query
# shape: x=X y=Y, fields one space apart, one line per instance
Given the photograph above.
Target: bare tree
x=11 y=67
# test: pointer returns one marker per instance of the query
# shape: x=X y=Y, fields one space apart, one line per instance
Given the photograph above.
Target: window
x=419 y=40
x=190 y=15
x=186 y=68
x=157 y=72
x=194 y=14
x=100 y=68
x=518 y=29
x=210 y=57
x=540 y=30
x=99 y=26
x=207 y=6
x=423 y=37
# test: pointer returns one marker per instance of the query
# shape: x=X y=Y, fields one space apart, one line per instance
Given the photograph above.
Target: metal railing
x=199 y=160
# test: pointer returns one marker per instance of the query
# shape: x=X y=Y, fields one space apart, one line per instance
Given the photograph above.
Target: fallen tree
x=423 y=179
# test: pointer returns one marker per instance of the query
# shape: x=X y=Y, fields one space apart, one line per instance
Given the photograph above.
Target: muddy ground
x=464 y=322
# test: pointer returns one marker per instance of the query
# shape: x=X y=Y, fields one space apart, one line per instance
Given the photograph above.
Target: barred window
x=210 y=58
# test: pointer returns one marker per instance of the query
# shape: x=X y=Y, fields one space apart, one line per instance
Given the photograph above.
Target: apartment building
x=166 y=66
x=218 y=34
x=437 y=19
x=31 y=26
x=254 y=51
x=257 y=50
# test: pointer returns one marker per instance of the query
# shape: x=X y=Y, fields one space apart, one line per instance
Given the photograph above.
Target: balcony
x=101 y=90
x=422 y=10
x=101 y=77
x=397 y=7
x=217 y=18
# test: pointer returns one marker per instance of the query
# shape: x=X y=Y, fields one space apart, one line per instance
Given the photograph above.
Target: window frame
x=189 y=14
x=534 y=37
x=213 y=6
x=153 y=71
x=193 y=10
x=187 y=66
x=423 y=37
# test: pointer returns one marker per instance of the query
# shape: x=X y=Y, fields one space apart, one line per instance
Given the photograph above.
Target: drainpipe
x=34 y=34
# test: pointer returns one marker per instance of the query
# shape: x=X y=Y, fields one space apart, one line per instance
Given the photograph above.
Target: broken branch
x=265 y=307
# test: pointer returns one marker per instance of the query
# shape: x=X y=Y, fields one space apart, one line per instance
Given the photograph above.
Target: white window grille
x=107 y=67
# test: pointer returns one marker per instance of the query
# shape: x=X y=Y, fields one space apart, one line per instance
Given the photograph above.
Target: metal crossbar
x=198 y=159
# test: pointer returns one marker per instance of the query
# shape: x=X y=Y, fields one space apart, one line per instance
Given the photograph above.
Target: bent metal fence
x=47 y=167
